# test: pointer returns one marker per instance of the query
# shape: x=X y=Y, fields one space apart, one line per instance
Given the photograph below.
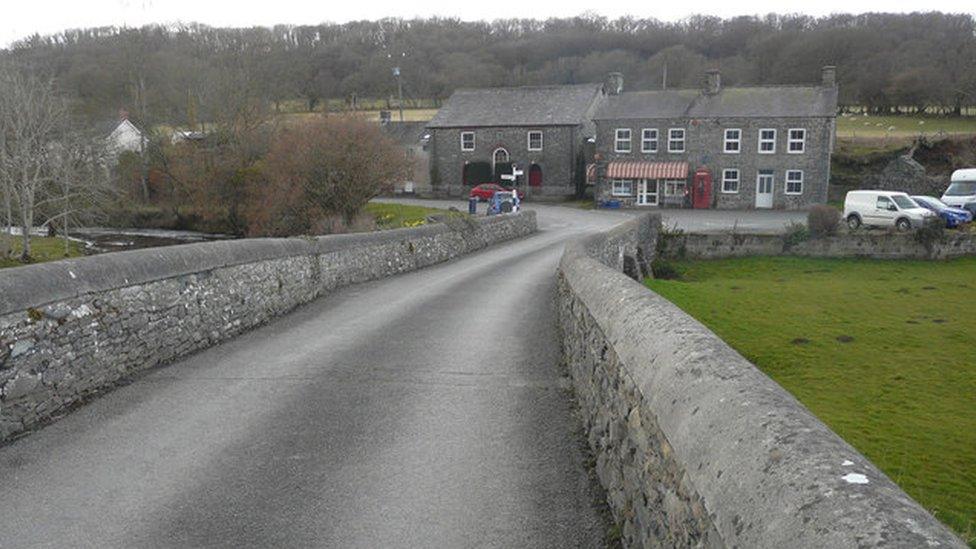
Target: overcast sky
x=21 y=18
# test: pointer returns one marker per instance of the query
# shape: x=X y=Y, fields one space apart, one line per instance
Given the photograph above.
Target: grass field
x=881 y=351
x=42 y=249
x=859 y=126
x=395 y=216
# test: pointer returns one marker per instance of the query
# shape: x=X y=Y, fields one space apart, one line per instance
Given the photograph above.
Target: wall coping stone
x=33 y=286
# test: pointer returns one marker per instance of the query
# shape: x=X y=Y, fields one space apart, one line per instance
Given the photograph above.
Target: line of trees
x=919 y=61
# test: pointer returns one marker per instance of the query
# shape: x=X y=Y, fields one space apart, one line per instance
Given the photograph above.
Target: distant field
x=881 y=351
x=409 y=115
x=860 y=126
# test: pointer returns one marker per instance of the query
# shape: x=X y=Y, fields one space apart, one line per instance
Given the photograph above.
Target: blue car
x=953 y=216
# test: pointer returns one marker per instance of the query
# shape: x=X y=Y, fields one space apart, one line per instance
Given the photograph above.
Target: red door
x=535 y=175
x=701 y=187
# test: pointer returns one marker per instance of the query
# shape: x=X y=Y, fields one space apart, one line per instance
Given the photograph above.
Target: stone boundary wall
x=867 y=244
x=69 y=329
x=695 y=446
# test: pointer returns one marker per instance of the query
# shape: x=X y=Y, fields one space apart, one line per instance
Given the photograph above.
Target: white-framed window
x=467 y=141
x=622 y=187
x=534 y=140
x=649 y=140
x=733 y=141
x=621 y=141
x=730 y=181
x=674 y=187
x=676 y=140
x=797 y=141
x=767 y=141
x=794 y=181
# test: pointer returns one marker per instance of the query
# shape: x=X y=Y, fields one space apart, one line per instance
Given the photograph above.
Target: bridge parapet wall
x=695 y=446
x=71 y=329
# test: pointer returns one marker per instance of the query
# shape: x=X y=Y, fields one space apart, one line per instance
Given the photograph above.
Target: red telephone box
x=701 y=188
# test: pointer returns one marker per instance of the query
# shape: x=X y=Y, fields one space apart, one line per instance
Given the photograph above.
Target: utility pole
x=664 y=79
x=396 y=73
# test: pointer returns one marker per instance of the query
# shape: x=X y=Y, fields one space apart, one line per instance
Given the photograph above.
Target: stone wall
x=72 y=328
x=695 y=446
x=559 y=158
x=867 y=244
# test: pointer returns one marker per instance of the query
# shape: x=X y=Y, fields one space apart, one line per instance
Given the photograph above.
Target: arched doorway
x=500 y=163
x=535 y=175
x=476 y=173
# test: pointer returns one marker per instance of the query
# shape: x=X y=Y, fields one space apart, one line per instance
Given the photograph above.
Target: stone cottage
x=412 y=136
x=481 y=135
x=736 y=147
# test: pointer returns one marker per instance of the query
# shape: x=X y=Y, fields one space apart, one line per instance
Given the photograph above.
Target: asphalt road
x=423 y=410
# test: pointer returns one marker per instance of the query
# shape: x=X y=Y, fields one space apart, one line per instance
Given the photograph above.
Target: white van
x=962 y=188
x=884 y=209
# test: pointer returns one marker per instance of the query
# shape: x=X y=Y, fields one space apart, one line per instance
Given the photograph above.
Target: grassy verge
x=42 y=249
x=395 y=216
x=881 y=351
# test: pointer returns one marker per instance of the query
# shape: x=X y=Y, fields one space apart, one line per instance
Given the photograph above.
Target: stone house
x=413 y=137
x=736 y=147
x=480 y=135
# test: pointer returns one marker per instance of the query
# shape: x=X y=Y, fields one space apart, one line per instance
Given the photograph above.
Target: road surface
x=424 y=410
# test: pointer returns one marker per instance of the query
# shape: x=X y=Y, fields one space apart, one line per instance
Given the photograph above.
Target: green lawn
x=856 y=125
x=884 y=352
x=395 y=216
x=42 y=249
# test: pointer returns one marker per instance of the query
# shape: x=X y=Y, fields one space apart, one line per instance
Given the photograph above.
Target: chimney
x=829 y=76
x=713 y=82
x=614 y=84
x=123 y=115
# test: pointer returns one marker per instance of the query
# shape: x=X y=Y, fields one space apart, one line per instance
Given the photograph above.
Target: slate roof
x=521 y=106
x=745 y=102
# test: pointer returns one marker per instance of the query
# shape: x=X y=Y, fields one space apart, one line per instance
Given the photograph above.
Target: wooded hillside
x=886 y=62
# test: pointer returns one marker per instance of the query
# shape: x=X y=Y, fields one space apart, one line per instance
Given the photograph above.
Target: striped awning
x=642 y=169
x=590 y=174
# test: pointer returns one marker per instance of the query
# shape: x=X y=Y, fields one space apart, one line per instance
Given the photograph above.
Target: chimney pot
x=713 y=81
x=829 y=76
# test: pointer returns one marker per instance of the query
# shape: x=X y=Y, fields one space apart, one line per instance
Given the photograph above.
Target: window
x=676 y=140
x=730 y=181
x=674 y=187
x=733 y=141
x=622 y=187
x=764 y=182
x=467 y=141
x=649 y=140
x=767 y=141
x=884 y=203
x=797 y=142
x=794 y=182
x=621 y=142
x=535 y=141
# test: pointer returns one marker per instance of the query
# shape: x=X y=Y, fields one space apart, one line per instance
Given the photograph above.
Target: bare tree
x=32 y=115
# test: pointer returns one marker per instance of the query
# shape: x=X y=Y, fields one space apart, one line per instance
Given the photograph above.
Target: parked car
x=962 y=190
x=953 y=216
x=485 y=191
x=884 y=209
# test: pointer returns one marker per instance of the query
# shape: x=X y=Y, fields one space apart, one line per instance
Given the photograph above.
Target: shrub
x=663 y=269
x=795 y=234
x=823 y=221
x=930 y=233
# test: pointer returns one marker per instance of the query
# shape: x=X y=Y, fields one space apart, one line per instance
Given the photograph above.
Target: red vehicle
x=485 y=191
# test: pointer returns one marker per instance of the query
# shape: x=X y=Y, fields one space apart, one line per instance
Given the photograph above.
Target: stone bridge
x=433 y=408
